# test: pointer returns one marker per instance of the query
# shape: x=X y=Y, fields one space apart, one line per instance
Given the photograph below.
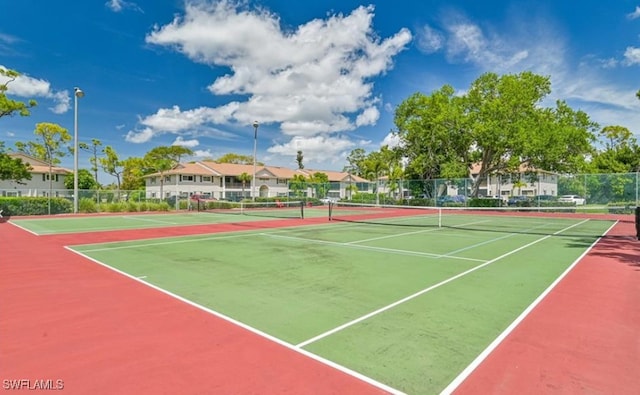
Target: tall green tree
x=9 y=107
x=13 y=169
x=85 y=180
x=93 y=149
x=434 y=134
x=356 y=162
x=392 y=158
x=112 y=165
x=320 y=183
x=299 y=159
x=620 y=152
x=375 y=167
x=498 y=124
x=133 y=172
x=244 y=179
x=298 y=184
x=51 y=144
x=164 y=158
x=236 y=159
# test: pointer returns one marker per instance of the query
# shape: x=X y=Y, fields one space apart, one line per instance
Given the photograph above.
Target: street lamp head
x=78 y=92
x=255 y=124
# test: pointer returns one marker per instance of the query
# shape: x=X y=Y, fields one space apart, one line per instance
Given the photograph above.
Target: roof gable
x=209 y=167
x=38 y=166
x=28 y=159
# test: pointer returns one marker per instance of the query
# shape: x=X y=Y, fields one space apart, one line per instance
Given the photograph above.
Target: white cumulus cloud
x=312 y=81
x=316 y=149
x=121 y=5
x=632 y=56
x=28 y=87
x=185 y=143
x=430 y=40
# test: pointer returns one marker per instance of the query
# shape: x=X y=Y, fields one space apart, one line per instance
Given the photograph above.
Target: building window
x=281 y=181
x=205 y=178
x=45 y=177
x=187 y=178
x=167 y=178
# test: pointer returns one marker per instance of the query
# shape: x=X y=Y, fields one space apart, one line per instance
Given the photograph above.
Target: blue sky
x=322 y=77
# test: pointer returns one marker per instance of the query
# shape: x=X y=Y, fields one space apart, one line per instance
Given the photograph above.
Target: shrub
x=484 y=202
x=621 y=207
x=87 y=205
x=35 y=205
x=115 y=207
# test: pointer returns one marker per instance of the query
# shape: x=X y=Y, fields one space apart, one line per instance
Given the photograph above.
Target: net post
x=330 y=210
x=302 y=210
x=439 y=217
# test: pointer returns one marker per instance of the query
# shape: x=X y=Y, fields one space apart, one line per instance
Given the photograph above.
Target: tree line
x=500 y=126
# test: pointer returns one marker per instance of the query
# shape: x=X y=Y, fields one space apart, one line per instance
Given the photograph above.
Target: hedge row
x=22 y=206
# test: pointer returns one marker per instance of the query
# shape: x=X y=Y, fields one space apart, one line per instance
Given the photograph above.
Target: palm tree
x=297 y=184
x=375 y=165
x=519 y=184
x=244 y=178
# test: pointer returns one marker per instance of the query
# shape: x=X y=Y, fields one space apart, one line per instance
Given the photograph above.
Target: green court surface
x=409 y=305
x=110 y=222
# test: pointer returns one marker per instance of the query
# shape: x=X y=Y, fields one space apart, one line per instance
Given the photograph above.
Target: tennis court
x=408 y=301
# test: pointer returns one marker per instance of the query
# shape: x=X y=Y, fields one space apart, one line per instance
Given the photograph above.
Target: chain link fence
x=596 y=189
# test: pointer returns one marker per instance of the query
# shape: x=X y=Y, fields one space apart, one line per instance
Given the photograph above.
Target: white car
x=575 y=199
x=328 y=200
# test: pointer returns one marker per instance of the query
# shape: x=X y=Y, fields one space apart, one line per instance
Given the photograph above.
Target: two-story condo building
x=39 y=184
x=224 y=181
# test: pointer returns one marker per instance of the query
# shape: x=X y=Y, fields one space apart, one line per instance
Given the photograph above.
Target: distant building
x=496 y=185
x=520 y=183
x=39 y=183
x=222 y=181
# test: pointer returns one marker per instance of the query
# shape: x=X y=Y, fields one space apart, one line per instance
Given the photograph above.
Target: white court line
x=191 y=239
x=411 y=233
x=251 y=329
x=149 y=220
x=25 y=229
x=369 y=248
x=494 y=344
x=493 y=240
x=419 y=293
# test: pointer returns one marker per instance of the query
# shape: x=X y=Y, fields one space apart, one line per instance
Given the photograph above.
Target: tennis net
x=561 y=221
x=277 y=209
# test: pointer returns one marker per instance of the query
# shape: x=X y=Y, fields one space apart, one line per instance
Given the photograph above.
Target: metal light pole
x=255 y=146
x=77 y=93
